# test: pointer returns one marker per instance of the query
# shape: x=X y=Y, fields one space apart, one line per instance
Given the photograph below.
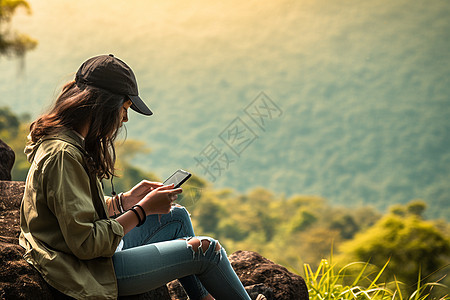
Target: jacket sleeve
x=69 y=196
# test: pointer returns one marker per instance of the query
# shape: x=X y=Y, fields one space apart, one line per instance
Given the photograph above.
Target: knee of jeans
x=204 y=244
x=180 y=212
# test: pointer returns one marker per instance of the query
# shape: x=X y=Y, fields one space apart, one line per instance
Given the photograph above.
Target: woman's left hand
x=138 y=192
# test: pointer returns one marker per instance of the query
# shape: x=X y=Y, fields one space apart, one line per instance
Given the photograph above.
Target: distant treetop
x=13 y=43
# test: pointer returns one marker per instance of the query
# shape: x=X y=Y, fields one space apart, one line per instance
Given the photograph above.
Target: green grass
x=361 y=281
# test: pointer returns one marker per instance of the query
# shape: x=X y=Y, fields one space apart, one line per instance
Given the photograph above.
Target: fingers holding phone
x=139 y=191
x=172 y=192
x=159 y=200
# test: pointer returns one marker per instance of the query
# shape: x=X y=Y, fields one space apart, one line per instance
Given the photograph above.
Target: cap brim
x=139 y=106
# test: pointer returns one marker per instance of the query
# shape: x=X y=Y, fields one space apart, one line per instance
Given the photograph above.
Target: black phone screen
x=177 y=178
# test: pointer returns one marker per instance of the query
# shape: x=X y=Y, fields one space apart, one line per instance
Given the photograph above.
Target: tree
x=12 y=42
x=9 y=122
x=302 y=220
x=208 y=214
x=345 y=224
x=411 y=244
x=13 y=131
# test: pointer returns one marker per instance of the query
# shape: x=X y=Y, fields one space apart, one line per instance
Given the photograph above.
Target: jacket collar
x=66 y=134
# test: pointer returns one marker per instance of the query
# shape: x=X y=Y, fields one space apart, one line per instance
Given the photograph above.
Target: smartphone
x=177 y=178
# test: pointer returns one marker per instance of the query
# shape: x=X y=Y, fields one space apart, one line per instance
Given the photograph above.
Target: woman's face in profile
x=124 y=111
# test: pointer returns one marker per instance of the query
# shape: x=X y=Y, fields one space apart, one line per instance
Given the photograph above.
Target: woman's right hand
x=159 y=200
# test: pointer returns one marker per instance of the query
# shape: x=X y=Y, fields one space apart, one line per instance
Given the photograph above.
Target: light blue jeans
x=157 y=252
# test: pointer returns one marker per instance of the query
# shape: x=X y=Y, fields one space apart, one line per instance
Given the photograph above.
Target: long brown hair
x=78 y=105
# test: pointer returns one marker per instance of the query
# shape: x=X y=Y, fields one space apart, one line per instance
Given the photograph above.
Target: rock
x=252 y=269
x=259 y=276
x=7 y=158
x=10 y=196
x=18 y=280
x=11 y=193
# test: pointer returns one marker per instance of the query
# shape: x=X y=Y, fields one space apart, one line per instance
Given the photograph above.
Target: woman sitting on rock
x=88 y=248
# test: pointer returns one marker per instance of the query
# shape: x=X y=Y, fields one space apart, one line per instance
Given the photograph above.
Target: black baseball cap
x=112 y=74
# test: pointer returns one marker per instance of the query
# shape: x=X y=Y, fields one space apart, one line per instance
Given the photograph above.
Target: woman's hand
x=159 y=200
x=138 y=192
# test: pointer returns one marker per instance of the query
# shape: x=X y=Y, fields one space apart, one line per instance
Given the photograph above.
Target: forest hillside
x=298 y=230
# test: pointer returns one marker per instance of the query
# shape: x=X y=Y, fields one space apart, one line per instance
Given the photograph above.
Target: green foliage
x=209 y=214
x=9 y=122
x=11 y=42
x=302 y=220
x=412 y=244
x=326 y=283
x=13 y=131
x=289 y=231
x=345 y=224
x=362 y=281
x=416 y=207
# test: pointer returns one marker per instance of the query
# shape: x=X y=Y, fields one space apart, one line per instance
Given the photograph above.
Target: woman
x=87 y=247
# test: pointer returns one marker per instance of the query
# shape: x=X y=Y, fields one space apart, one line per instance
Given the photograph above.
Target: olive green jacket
x=66 y=238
